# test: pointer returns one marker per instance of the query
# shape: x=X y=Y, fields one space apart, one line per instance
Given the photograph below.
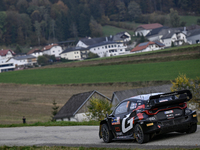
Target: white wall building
x=106 y=49
x=52 y=49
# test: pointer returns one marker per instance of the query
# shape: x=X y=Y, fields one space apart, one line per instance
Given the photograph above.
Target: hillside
x=171 y=54
x=34 y=101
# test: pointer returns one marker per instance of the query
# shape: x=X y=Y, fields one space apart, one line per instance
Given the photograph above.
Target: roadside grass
x=78 y=148
x=54 y=123
x=163 y=71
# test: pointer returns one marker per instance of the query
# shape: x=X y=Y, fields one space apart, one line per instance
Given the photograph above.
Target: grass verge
x=77 y=148
x=59 y=123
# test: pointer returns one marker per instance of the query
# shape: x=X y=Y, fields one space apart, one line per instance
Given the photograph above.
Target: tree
x=38 y=31
x=2 y=24
x=18 y=49
x=134 y=10
x=54 y=109
x=182 y=83
x=92 y=55
x=98 y=108
x=95 y=28
x=42 y=60
x=174 y=18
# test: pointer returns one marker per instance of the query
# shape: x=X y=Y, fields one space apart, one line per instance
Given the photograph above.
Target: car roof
x=144 y=97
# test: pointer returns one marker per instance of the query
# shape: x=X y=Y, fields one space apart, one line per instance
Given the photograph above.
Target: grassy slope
x=101 y=74
x=111 y=30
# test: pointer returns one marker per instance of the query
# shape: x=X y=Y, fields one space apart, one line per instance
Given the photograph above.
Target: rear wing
x=169 y=98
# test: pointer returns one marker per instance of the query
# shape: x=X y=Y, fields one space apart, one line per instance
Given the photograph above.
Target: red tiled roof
x=150 y=26
x=4 y=52
x=142 y=46
x=48 y=47
x=32 y=51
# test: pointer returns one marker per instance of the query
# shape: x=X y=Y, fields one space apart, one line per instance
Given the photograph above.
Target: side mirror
x=106 y=115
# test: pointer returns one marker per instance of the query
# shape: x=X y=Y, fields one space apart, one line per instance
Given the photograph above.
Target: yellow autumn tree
x=182 y=83
x=98 y=108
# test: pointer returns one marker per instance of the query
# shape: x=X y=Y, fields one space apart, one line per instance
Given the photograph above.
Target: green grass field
x=163 y=71
x=111 y=30
x=190 y=20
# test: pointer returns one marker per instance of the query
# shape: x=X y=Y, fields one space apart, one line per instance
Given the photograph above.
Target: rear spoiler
x=176 y=97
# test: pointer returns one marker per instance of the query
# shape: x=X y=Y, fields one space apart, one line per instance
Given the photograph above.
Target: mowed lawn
x=102 y=74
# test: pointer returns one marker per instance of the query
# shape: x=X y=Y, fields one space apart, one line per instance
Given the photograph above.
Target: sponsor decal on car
x=169 y=116
x=116 y=121
x=117 y=129
x=168 y=112
x=127 y=124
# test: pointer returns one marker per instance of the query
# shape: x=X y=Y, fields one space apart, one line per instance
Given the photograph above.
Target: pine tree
x=55 y=110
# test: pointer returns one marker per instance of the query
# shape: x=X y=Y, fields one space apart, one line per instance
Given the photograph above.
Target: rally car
x=144 y=116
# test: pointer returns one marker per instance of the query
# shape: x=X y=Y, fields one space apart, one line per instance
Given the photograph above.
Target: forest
x=38 y=22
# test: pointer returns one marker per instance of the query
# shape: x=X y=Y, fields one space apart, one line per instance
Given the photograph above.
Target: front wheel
x=106 y=134
x=139 y=134
x=192 y=128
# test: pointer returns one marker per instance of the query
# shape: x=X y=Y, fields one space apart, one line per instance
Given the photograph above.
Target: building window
x=105 y=46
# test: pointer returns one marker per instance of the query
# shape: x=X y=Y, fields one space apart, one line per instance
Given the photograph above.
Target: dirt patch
x=35 y=101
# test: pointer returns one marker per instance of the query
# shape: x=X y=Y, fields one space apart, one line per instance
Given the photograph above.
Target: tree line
x=38 y=22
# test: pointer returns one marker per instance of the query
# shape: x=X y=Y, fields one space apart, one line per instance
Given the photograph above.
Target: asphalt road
x=87 y=136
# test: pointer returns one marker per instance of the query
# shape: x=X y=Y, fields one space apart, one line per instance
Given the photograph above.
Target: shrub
x=182 y=82
x=98 y=108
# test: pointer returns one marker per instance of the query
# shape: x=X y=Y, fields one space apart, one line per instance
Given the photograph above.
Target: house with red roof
x=52 y=49
x=148 y=46
x=35 y=52
x=146 y=28
x=6 y=54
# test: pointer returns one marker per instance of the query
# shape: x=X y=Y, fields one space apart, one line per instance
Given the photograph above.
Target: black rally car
x=141 y=117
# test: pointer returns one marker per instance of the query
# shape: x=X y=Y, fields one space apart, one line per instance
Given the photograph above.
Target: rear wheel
x=139 y=134
x=106 y=134
x=192 y=128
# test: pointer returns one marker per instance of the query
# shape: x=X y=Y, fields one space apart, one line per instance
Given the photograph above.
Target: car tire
x=106 y=134
x=192 y=128
x=139 y=134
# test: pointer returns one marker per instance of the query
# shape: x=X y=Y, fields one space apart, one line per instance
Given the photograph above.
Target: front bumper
x=176 y=124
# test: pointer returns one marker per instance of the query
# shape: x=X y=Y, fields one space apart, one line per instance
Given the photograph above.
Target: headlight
x=187 y=111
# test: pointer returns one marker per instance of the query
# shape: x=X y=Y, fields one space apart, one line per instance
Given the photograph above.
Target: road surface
x=88 y=136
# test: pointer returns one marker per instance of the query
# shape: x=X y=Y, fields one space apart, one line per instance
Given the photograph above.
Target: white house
x=35 y=52
x=146 y=28
x=52 y=49
x=106 y=49
x=75 y=53
x=148 y=46
x=25 y=60
x=175 y=36
x=193 y=36
x=122 y=37
x=6 y=54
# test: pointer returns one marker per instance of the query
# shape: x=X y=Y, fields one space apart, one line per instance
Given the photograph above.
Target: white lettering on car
x=129 y=123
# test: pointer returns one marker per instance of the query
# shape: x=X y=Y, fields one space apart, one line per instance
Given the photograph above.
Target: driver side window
x=122 y=108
